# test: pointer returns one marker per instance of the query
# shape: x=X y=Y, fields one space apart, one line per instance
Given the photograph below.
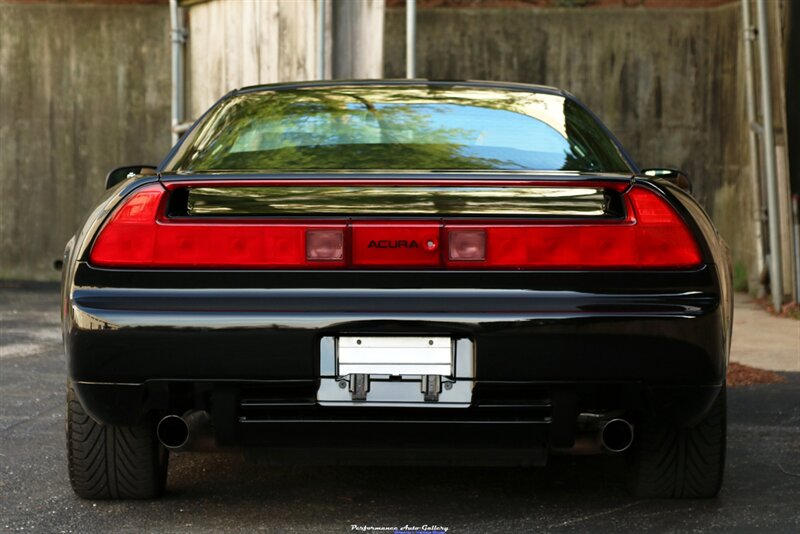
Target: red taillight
x=652 y=236
x=662 y=239
x=136 y=236
x=129 y=236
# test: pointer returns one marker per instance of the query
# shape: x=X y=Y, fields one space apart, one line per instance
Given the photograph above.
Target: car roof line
x=514 y=86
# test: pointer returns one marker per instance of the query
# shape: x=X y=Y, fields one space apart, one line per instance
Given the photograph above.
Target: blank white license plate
x=395 y=356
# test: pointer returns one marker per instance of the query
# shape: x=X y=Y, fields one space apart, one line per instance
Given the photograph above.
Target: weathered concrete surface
x=234 y=44
x=668 y=83
x=83 y=88
x=357 y=29
x=762 y=340
x=220 y=492
x=249 y=42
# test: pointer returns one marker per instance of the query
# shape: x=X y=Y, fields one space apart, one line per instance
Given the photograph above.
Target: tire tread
x=109 y=461
x=681 y=462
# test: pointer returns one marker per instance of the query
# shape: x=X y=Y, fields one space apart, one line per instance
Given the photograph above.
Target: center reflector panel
x=404 y=244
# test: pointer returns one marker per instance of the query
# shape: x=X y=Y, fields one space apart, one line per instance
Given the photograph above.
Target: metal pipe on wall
x=768 y=138
x=411 y=38
x=321 y=39
x=178 y=38
x=796 y=232
x=753 y=132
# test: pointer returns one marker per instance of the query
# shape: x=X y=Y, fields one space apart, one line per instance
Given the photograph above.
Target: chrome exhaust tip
x=616 y=435
x=192 y=431
x=173 y=432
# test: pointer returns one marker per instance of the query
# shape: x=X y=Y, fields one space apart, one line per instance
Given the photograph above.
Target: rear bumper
x=134 y=335
x=138 y=342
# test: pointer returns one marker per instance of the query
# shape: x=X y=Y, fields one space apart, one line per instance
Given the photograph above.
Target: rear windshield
x=397 y=128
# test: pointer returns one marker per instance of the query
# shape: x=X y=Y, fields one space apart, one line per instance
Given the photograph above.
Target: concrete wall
x=668 y=83
x=246 y=42
x=235 y=44
x=83 y=88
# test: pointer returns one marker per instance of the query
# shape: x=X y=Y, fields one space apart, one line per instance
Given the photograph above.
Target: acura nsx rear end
x=397 y=272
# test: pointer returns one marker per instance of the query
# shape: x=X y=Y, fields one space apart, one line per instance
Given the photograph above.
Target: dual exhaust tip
x=616 y=435
x=598 y=434
x=173 y=432
x=192 y=431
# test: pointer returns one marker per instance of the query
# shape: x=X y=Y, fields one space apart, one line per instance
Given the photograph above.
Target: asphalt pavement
x=220 y=492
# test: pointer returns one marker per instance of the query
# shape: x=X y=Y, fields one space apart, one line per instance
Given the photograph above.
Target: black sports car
x=396 y=272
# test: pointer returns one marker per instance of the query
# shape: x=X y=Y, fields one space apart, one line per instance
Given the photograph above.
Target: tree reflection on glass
x=405 y=127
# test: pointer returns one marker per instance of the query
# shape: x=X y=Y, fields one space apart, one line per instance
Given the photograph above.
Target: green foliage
x=393 y=128
x=740 y=277
x=273 y=119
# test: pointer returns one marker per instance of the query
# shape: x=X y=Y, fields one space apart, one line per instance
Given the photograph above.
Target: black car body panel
x=244 y=344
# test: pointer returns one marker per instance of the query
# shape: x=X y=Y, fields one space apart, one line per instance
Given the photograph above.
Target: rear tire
x=680 y=462
x=111 y=461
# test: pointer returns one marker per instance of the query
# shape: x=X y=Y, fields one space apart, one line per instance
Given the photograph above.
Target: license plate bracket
x=396 y=371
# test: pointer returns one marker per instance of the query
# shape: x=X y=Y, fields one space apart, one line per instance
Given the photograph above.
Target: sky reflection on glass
x=397 y=128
